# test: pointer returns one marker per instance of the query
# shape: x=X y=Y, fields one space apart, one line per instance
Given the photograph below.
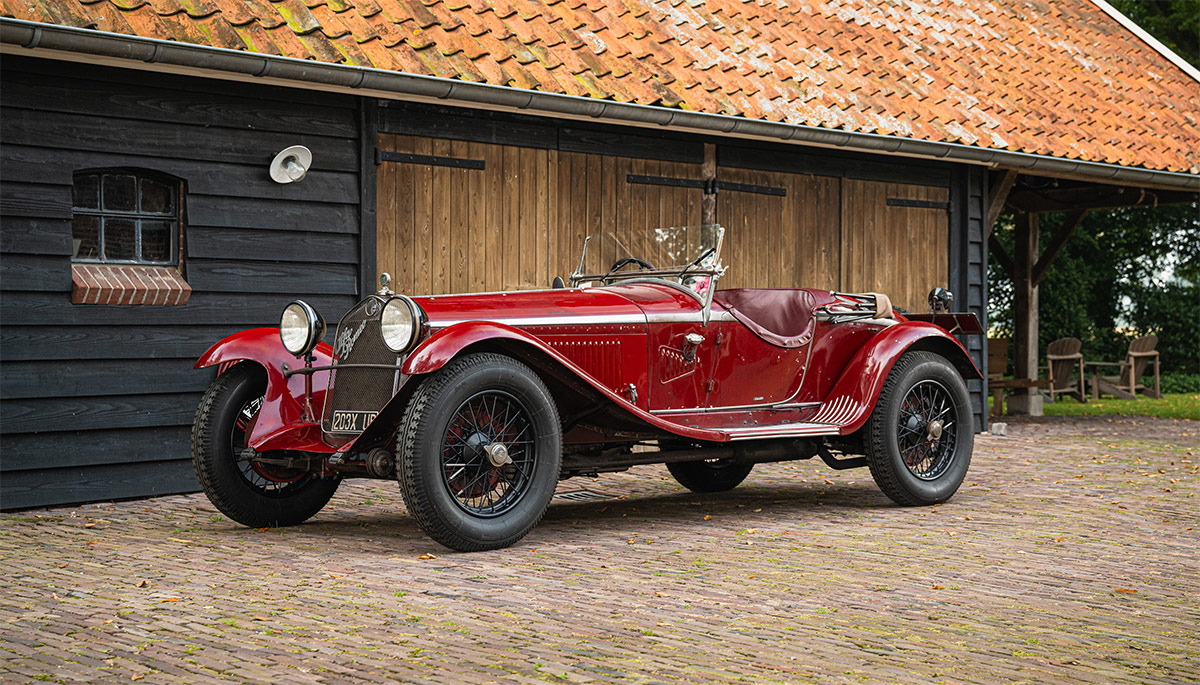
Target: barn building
x=468 y=145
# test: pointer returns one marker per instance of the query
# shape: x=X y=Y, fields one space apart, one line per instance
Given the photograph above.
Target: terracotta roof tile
x=235 y=12
x=263 y=10
x=1059 y=79
x=360 y=27
x=257 y=39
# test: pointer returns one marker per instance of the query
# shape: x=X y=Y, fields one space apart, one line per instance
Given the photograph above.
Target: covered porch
x=1027 y=198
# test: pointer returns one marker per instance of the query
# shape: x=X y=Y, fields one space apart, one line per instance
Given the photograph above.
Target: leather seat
x=782 y=317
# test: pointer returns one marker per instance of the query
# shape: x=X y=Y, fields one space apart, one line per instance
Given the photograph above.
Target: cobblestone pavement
x=1070 y=554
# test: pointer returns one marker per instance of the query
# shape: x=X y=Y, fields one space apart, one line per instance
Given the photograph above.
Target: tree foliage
x=1175 y=23
x=1124 y=273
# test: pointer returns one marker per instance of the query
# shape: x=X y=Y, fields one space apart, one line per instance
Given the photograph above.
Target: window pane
x=119 y=238
x=120 y=193
x=156 y=241
x=85 y=230
x=156 y=197
x=86 y=192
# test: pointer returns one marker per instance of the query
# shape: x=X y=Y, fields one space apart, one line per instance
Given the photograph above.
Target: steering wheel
x=642 y=264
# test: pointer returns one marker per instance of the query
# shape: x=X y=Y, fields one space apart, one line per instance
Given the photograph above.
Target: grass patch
x=1171 y=406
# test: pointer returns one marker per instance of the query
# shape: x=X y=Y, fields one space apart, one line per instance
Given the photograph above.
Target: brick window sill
x=128 y=284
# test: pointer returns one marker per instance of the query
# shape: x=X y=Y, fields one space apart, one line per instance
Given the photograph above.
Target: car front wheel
x=479 y=453
x=922 y=432
x=249 y=492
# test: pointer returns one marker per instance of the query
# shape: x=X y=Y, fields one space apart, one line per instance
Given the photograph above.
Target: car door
x=748 y=371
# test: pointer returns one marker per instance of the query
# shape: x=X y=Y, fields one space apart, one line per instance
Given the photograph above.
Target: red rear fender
x=281 y=423
x=853 y=396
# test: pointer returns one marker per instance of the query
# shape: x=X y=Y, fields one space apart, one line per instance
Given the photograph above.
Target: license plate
x=352 y=421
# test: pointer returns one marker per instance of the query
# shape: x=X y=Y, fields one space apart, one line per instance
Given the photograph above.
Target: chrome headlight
x=300 y=328
x=399 y=324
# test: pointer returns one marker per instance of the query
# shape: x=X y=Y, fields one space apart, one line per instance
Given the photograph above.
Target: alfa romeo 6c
x=480 y=404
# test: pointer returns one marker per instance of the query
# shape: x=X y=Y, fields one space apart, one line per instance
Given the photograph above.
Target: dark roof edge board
x=35 y=35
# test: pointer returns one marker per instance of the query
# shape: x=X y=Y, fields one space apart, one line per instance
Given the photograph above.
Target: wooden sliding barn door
x=457 y=216
x=779 y=241
x=895 y=240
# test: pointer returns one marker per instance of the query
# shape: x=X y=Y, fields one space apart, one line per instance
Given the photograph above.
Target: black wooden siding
x=968 y=270
x=96 y=402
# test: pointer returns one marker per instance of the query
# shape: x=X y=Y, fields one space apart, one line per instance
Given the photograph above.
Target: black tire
x=717 y=475
x=914 y=461
x=254 y=495
x=458 y=495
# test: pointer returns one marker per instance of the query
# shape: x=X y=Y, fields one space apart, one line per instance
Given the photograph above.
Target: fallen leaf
x=939 y=587
x=169 y=599
x=708 y=517
x=427 y=556
x=260 y=618
x=143 y=583
x=137 y=677
x=89 y=525
x=1059 y=539
x=63 y=565
x=1125 y=591
x=659 y=594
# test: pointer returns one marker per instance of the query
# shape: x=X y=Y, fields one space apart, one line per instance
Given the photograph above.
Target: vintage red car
x=479 y=404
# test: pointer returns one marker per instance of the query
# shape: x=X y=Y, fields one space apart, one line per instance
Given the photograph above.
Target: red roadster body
x=480 y=403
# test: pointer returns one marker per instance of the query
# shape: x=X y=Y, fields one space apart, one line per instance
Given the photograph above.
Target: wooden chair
x=1127 y=385
x=997 y=383
x=1063 y=358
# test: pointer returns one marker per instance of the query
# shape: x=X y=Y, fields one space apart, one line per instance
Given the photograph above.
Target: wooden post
x=708 y=205
x=1025 y=315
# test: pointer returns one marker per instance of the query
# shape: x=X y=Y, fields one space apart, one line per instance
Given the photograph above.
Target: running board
x=787 y=430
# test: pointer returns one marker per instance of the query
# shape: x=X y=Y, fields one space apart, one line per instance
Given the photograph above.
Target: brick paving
x=1070 y=555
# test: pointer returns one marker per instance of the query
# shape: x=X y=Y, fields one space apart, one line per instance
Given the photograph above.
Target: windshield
x=679 y=253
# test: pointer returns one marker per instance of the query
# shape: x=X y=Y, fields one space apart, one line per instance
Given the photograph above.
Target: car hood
x=565 y=306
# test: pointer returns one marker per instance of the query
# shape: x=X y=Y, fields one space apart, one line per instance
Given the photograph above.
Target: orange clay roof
x=1056 y=78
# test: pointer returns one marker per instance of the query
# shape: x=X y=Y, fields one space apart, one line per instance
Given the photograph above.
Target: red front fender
x=441 y=347
x=853 y=396
x=281 y=423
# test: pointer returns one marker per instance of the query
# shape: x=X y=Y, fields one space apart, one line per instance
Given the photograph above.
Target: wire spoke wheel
x=266 y=479
x=927 y=431
x=488 y=453
x=247 y=490
x=479 y=452
x=921 y=433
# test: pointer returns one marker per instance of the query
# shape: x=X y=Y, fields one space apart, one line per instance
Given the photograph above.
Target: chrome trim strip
x=784 y=406
x=568 y=320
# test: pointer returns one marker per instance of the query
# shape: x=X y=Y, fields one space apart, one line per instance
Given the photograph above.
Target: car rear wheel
x=715 y=475
x=479 y=453
x=921 y=433
x=251 y=493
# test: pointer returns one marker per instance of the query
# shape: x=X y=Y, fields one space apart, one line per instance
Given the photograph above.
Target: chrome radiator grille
x=361 y=390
